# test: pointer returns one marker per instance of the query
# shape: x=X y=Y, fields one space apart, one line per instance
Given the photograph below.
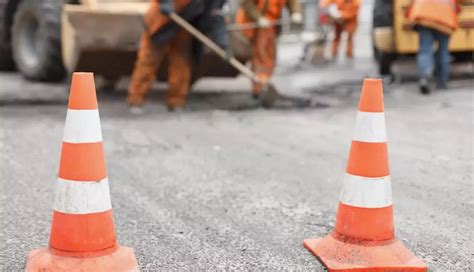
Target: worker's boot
x=175 y=102
x=135 y=100
x=349 y=54
x=135 y=103
x=441 y=85
x=256 y=90
x=177 y=109
x=424 y=85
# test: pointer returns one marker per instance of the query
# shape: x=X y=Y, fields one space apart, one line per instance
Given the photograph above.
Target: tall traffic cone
x=363 y=238
x=82 y=232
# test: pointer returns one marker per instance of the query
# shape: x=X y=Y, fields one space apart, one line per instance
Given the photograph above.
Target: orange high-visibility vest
x=273 y=8
x=438 y=14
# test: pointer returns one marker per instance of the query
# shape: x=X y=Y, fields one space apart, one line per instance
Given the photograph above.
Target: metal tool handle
x=254 y=25
x=214 y=47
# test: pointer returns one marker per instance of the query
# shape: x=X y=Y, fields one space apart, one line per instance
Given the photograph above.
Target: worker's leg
x=425 y=58
x=144 y=72
x=179 y=70
x=350 y=45
x=425 y=52
x=442 y=59
x=350 y=28
x=337 y=39
x=263 y=56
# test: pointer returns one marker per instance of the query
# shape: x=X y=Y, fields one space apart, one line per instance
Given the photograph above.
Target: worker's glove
x=297 y=18
x=166 y=7
x=334 y=13
x=263 y=22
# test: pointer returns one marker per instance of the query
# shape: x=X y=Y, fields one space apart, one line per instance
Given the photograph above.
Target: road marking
x=82 y=126
x=366 y=192
x=370 y=127
x=82 y=197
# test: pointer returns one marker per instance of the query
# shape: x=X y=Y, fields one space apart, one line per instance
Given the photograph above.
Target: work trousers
x=149 y=59
x=348 y=26
x=263 y=55
x=426 y=57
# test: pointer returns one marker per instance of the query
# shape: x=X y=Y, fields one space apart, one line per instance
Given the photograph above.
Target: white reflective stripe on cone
x=370 y=127
x=82 y=126
x=366 y=192
x=82 y=197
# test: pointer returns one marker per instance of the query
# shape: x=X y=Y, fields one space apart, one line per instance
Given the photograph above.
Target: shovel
x=270 y=93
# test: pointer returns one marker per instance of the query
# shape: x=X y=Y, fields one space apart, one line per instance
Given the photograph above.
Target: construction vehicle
x=395 y=39
x=48 y=39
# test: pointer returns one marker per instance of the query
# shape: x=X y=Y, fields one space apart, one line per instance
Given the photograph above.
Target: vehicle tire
x=36 y=41
x=6 y=60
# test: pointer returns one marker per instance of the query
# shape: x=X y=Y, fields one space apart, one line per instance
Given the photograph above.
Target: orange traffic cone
x=82 y=232
x=363 y=238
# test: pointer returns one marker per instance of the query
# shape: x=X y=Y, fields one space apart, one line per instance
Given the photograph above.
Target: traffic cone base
x=46 y=259
x=341 y=256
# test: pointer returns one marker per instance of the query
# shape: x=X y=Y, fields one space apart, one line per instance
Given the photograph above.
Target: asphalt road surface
x=226 y=185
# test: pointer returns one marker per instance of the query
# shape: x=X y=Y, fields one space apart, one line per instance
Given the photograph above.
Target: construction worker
x=163 y=39
x=264 y=13
x=434 y=20
x=344 y=14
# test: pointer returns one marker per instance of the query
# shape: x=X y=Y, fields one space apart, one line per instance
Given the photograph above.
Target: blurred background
x=45 y=41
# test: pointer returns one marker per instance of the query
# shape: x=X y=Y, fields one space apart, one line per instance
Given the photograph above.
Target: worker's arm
x=251 y=10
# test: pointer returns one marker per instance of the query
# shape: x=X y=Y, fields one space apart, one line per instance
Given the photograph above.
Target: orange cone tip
x=82 y=94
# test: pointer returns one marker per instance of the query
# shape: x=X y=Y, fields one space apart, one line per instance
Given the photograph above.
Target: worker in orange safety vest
x=265 y=13
x=344 y=14
x=434 y=20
